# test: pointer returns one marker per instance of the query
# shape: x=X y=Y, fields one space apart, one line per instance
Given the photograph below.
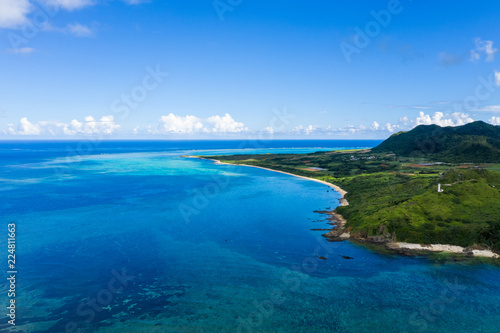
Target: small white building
x=439 y=188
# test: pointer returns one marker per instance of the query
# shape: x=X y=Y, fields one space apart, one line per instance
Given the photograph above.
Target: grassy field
x=398 y=196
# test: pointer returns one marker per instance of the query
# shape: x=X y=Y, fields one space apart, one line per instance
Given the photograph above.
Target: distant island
x=429 y=189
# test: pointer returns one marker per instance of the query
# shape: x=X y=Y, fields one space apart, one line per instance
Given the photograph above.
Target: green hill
x=467 y=211
x=393 y=198
x=476 y=142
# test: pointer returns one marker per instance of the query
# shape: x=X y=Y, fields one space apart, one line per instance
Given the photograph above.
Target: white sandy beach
x=442 y=248
x=395 y=245
x=342 y=192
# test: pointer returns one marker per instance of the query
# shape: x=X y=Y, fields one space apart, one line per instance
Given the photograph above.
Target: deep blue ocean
x=133 y=237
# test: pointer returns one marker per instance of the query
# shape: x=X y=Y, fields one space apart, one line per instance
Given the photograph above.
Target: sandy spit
x=342 y=192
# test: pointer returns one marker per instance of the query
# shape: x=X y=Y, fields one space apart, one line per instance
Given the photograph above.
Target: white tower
x=439 y=188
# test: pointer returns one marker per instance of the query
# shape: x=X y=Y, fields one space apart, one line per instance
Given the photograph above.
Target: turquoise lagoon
x=133 y=237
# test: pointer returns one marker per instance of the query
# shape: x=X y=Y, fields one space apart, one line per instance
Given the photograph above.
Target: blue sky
x=245 y=69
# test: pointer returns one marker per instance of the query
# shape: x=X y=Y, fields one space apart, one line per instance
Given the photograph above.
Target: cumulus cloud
x=378 y=127
x=391 y=127
x=178 y=124
x=226 y=124
x=483 y=47
x=13 y=13
x=105 y=125
x=494 y=121
x=269 y=130
x=436 y=119
x=27 y=128
x=405 y=123
x=307 y=130
x=404 y=120
x=497 y=78
x=455 y=119
x=191 y=124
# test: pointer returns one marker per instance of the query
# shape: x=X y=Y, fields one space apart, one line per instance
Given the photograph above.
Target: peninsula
x=429 y=189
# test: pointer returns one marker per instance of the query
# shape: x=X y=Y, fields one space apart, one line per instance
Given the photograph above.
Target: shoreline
x=343 y=200
x=402 y=246
x=339 y=232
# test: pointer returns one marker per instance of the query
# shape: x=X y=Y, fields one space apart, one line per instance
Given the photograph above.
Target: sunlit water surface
x=133 y=237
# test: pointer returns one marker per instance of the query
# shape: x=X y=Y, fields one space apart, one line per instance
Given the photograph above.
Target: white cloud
x=327 y=131
x=404 y=120
x=178 y=124
x=76 y=29
x=226 y=124
x=136 y=2
x=307 y=130
x=191 y=124
x=80 y=30
x=23 y=50
x=105 y=125
x=483 y=48
x=69 y=4
x=461 y=118
x=497 y=78
x=455 y=119
x=78 y=4
x=269 y=130
x=494 y=121
x=13 y=13
x=387 y=127
x=27 y=128
x=438 y=118
x=73 y=127
x=390 y=127
x=489 y=108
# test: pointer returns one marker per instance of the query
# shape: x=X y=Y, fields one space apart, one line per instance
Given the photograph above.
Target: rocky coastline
x=340 y=232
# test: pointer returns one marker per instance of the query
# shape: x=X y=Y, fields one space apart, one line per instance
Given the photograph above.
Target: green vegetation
x=467 y=212
x=397 y=194
x=476 y=142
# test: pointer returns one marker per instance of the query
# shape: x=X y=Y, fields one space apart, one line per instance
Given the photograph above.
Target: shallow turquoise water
x=210 y=248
